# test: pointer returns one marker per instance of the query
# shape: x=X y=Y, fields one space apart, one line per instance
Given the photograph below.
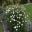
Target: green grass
x=29 y=10
x=1 y=27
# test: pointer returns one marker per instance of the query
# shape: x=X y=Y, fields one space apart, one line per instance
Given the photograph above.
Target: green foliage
x=29 y=10
x=16 y=20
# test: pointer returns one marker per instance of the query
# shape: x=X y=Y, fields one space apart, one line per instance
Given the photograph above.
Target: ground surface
x=1 y=27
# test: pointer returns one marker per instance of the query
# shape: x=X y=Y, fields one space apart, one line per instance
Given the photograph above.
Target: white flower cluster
x=18 y=26
x=17 y=16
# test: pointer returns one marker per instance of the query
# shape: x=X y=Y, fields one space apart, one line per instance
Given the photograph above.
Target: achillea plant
x=16 y=19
